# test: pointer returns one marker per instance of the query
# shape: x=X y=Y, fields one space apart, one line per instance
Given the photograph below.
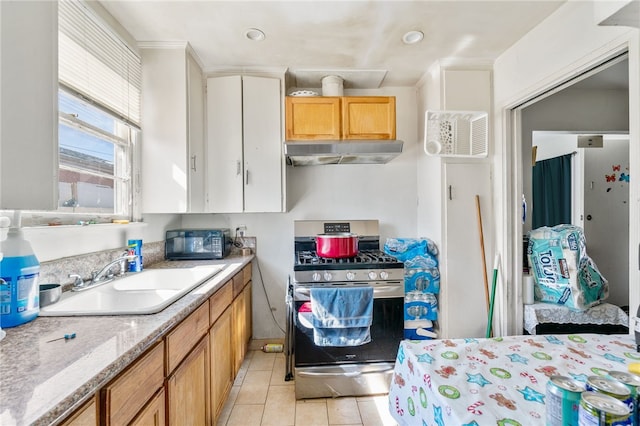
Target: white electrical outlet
x=241 y=230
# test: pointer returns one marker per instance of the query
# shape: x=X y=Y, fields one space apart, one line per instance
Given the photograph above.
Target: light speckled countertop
x=42 y=383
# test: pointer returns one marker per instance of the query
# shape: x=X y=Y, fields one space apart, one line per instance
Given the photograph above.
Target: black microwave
x=197 y=244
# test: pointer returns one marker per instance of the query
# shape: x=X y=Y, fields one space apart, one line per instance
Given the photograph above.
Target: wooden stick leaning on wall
x=484 y=260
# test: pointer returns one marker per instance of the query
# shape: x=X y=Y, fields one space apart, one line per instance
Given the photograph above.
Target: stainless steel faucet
x=105 y=274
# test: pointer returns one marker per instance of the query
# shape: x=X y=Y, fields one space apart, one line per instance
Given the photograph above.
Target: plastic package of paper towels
x=527 y=290
x=562 y=271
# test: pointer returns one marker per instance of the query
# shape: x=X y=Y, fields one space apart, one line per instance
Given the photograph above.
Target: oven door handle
x=376 y=290
x=355 y=373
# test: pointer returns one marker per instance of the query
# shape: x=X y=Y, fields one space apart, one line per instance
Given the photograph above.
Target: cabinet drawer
x=185 y=336
x=220 y=301
x=84 y=416
x=238 y=284
x=128 y=393
x=246 y=273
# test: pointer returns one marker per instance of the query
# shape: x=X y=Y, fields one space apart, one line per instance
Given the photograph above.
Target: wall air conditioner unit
x=456 y=133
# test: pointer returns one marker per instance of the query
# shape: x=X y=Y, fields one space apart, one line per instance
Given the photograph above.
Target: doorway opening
x=596 y=102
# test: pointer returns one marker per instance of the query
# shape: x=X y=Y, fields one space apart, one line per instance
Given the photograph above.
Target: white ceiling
x=316 y=38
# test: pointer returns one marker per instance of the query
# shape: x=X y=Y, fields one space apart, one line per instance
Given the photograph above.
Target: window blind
x=96 y=63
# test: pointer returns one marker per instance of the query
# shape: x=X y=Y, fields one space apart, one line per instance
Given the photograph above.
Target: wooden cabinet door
x=248 y=317
x=84 y=416
x=188 y=389
x=221 y=361
x=153 y=414
x=313 y=118
x=237 y=338
x=369 y=117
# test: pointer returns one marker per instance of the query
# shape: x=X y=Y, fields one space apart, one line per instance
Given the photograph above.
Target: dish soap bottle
x=20 y=269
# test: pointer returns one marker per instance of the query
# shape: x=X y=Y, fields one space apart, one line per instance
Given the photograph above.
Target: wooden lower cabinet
x=237 y=335
x=154 y=413
x=241 y=324
x=87 y=415
x=248 y=315
x=221 y=362
x=188 y=389
x=185 y=378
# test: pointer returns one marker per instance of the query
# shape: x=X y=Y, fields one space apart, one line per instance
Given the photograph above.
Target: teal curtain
x=552 y=192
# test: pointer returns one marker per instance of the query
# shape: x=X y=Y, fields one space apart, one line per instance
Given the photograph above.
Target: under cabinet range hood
x=313 y=153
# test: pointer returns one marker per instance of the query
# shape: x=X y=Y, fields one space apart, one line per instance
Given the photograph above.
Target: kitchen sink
x=144 y=292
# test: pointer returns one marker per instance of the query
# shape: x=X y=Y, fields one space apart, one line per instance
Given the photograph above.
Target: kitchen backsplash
x=57 y=271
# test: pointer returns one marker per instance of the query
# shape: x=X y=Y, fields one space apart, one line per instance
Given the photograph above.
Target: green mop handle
x=493 y=294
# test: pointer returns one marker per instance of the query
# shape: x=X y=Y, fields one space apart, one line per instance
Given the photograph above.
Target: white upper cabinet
x=195 y=117
x=172 y=131
x=244 y=145
x=29 y=105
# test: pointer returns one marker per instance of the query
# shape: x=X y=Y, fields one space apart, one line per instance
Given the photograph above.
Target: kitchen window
x=99 y=114
x=95 y=152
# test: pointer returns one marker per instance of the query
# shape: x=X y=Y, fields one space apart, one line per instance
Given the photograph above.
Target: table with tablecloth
x=501 y=380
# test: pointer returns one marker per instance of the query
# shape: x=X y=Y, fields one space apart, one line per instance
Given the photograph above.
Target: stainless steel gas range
x=331 y=371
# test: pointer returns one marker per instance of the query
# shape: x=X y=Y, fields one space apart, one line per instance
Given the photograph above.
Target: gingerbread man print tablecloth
x=497 y=381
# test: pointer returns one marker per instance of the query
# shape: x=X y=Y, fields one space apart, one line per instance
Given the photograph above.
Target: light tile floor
x=260 y=396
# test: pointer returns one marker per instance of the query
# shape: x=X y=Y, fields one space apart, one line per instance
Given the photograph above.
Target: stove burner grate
x=363 y=257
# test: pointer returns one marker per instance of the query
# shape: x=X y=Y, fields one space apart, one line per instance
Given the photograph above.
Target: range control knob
x=351 y=276
x=316 y=276
x=373 y=275
x=327 y=276
x=384 y=275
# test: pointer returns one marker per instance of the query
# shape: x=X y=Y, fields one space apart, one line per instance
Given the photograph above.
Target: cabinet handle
x=193 y=163
x=246 y=180
x=238 y=171
x=450 y=197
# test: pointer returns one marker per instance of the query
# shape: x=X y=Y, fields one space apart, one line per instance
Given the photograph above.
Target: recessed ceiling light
x=254 y=34
x=412 y=37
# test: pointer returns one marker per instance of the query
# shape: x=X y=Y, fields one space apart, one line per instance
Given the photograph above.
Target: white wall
x=571 y=110
x=386 y=192
x=565 y=44
x=56 y=242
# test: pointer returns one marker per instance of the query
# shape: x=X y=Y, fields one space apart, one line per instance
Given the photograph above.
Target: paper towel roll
x=527 y=290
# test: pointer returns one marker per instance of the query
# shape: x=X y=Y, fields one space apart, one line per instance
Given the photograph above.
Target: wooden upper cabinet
x=313 y=118
x=340 y=118
x=369 y=117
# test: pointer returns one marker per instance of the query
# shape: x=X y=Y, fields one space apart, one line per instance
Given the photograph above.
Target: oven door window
x=386 y=330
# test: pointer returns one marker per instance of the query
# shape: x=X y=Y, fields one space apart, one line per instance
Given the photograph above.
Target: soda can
x=632 y=382
x=563 y=401
x=598 y=409
x=610 y=387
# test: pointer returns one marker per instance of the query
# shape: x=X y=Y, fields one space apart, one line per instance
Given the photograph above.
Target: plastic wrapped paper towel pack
x=563 y=273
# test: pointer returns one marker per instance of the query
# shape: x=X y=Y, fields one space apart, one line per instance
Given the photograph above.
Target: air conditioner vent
x=456 y=133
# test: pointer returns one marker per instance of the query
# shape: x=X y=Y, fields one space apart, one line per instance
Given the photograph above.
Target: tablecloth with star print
x=495 y=381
